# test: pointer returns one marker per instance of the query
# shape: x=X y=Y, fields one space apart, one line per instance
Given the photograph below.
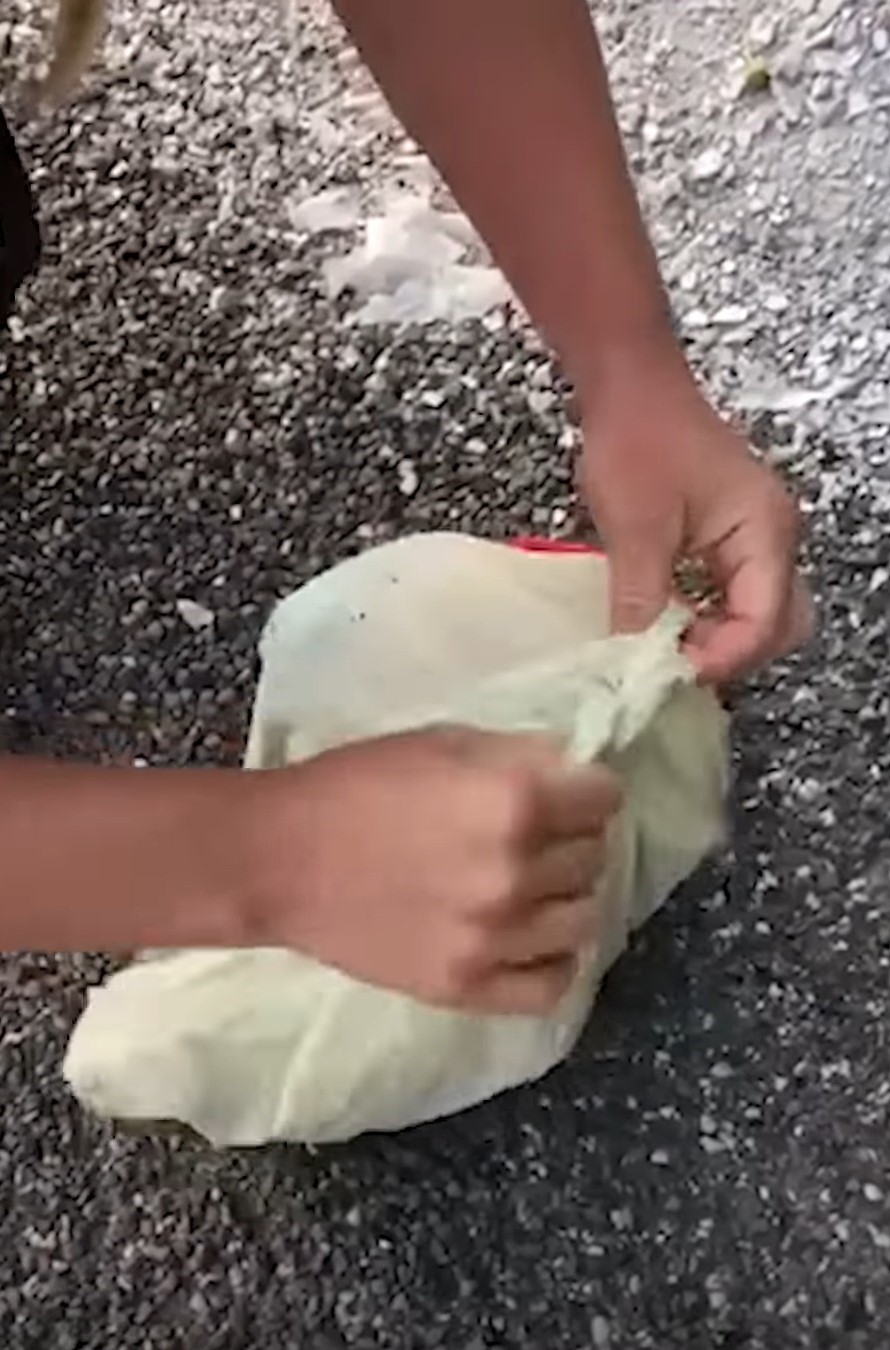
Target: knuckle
x=784 y=511
x=544 y=994
x=612 y=792
x=498 y=888
x=519 y=805
x=462 y=965
x=561 y=980
x=791 y=520
x=635 y=606
x=450 y=986
x=536 y=1002
x=588 y=925
x=593 y=861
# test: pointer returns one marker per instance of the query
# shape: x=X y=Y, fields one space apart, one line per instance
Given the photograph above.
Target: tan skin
x=482 y=902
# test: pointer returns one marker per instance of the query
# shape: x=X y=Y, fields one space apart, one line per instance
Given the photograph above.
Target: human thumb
x=640 y=575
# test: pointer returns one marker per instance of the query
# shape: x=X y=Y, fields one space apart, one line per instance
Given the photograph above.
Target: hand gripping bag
x=251 y=1046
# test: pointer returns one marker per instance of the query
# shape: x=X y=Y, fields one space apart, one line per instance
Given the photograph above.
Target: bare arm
x=114 y=859
x=458 y=909
x=511 y=100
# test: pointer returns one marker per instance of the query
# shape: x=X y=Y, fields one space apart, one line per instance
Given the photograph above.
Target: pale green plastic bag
x=251 y=1046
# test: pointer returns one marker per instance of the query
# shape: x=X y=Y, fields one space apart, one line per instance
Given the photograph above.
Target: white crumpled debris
x=416 y=265
x=337 y=208
x=777 y=397
x=197 y=617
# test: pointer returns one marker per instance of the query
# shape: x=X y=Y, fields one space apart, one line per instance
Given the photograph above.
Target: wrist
x=272 y=838
x=203 y=828
x=232 y=902
x=625 y=369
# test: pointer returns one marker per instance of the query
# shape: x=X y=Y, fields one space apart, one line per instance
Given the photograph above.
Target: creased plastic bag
x=251 y=1046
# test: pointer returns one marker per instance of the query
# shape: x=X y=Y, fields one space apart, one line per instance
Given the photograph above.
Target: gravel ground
x=184 y=417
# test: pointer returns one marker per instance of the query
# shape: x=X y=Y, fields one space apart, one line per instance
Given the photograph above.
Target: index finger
x=758 y=576
x=579 y=802
x=722 y=649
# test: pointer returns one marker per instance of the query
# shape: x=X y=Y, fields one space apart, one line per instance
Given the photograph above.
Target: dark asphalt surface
x=709 y=1170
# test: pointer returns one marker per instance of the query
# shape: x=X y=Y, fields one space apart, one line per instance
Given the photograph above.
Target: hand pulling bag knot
x=258 y=1045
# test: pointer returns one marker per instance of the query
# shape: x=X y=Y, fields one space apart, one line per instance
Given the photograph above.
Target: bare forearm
x=510 y=98
x=113 y=859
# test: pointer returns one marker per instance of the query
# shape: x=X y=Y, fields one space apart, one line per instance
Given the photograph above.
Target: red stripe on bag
x=531 y=543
